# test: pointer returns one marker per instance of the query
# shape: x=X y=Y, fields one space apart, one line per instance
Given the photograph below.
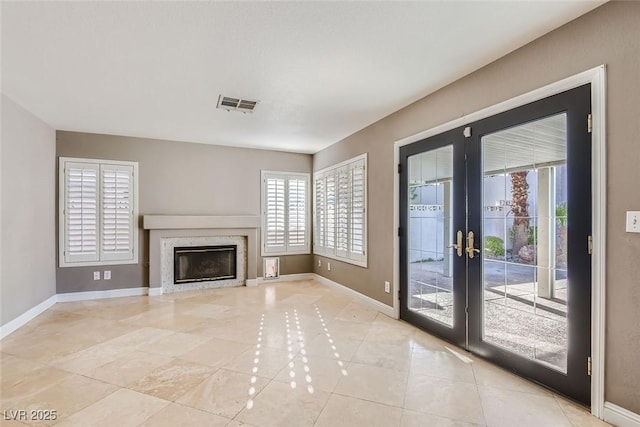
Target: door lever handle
x=470 y=249
x=458 y=245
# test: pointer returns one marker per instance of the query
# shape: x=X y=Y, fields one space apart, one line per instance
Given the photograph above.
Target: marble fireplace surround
x=189 y=226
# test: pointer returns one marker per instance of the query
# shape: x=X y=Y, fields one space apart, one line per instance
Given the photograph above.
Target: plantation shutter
x=342 y=211
x=330 y=200
x=117 y=221
x=319 y=240
x=297 y=214
x=80 y=212
x=357 y=242
x=274 y=214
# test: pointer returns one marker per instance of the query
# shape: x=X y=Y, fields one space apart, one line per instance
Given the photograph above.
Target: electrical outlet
x=107 y=275
x=96 y=275
x=633 y=221
x=319 y=263
x=329 y=266
x=387 y=287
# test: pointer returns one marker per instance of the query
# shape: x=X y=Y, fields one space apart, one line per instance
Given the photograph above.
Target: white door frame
x=597 y=77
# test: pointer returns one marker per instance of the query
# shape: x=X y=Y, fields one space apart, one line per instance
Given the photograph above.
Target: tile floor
x=281 y=354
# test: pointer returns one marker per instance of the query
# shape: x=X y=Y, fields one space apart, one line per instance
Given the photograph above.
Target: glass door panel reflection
x=430 y=235
x=524 y=240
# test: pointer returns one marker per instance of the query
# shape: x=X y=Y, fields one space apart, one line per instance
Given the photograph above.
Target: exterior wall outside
x=178 y=178
x=608 y=35
x=28 y=211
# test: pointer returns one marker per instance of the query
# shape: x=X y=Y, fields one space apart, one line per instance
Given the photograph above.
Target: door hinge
x=399 y=167
x=589 y=365
x=589 y=123
x=467 y=132
x=399 y=232
x=590 y=245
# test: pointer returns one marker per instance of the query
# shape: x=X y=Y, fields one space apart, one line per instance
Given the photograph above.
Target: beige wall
x=609 y=35
x=28 y=211
x=178 y=178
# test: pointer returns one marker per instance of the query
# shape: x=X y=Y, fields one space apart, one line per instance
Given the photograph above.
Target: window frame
x=62 y=202
x=306 y=248
x=334 y=252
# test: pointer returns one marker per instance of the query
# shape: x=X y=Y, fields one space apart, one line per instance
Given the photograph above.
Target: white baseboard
x=110 y=293
x=373 y=303
x=619 y=416
x=155 y=292
x=25 y=317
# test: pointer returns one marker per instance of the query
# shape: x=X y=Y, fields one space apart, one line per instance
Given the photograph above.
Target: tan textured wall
x=609 y=35
x=28 y=211
x=178 y=178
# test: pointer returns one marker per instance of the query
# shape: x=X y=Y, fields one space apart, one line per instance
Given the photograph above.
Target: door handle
x=470 y=249
x=458 y=245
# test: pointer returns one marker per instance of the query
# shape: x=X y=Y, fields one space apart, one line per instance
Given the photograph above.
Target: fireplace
x=204 y=263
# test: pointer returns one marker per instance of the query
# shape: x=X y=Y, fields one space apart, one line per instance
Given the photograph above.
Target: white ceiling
x=321 y=70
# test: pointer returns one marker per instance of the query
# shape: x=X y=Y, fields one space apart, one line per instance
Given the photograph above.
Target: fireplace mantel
x=179 y=222
x=172 y=226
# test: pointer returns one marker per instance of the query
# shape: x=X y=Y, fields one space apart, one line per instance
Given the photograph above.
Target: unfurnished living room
x=320 y=213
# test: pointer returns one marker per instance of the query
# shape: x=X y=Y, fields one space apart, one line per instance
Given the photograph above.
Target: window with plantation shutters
x=285 y=213
x=97 y=212
x=340 y=222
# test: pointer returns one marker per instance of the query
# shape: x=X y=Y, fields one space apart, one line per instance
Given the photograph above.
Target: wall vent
x=236 y=104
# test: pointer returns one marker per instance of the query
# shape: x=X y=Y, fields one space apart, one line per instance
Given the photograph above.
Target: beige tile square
x=172 y=380
x=420 y=419
x=29 y=379
x=279 y=405
x=123 y=408
x=322 y=346
x=175 y=415
x=357 y=312
x=85 y=362
x=269 y=362
x=216 y=352
x=442 y=364
x=446 y=398
x=343 y=411
x=344 y=329
x=373 y=383
x=324 y=373
x=211 y=311
x=127 y=368
x=137 y=339
x=65 y=397
x=490 y=375
x=175 y=344
x=46 y=350
x=385 y=355
x=14 y=369
x=508 y=408
x=225 y=393
x=387 y=330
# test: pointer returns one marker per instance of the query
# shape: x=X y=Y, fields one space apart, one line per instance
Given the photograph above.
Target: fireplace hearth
x=204 y=263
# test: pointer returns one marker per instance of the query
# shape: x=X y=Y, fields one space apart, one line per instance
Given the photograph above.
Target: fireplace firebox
x=204 y=263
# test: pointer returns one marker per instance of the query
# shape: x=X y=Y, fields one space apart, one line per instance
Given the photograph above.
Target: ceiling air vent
x=236 y=104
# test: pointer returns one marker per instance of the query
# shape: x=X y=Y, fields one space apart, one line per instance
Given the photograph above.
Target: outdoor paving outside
x=515 y=317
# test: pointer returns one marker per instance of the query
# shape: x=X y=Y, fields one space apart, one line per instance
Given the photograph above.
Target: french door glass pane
x=524 y=244
x=430 y=214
